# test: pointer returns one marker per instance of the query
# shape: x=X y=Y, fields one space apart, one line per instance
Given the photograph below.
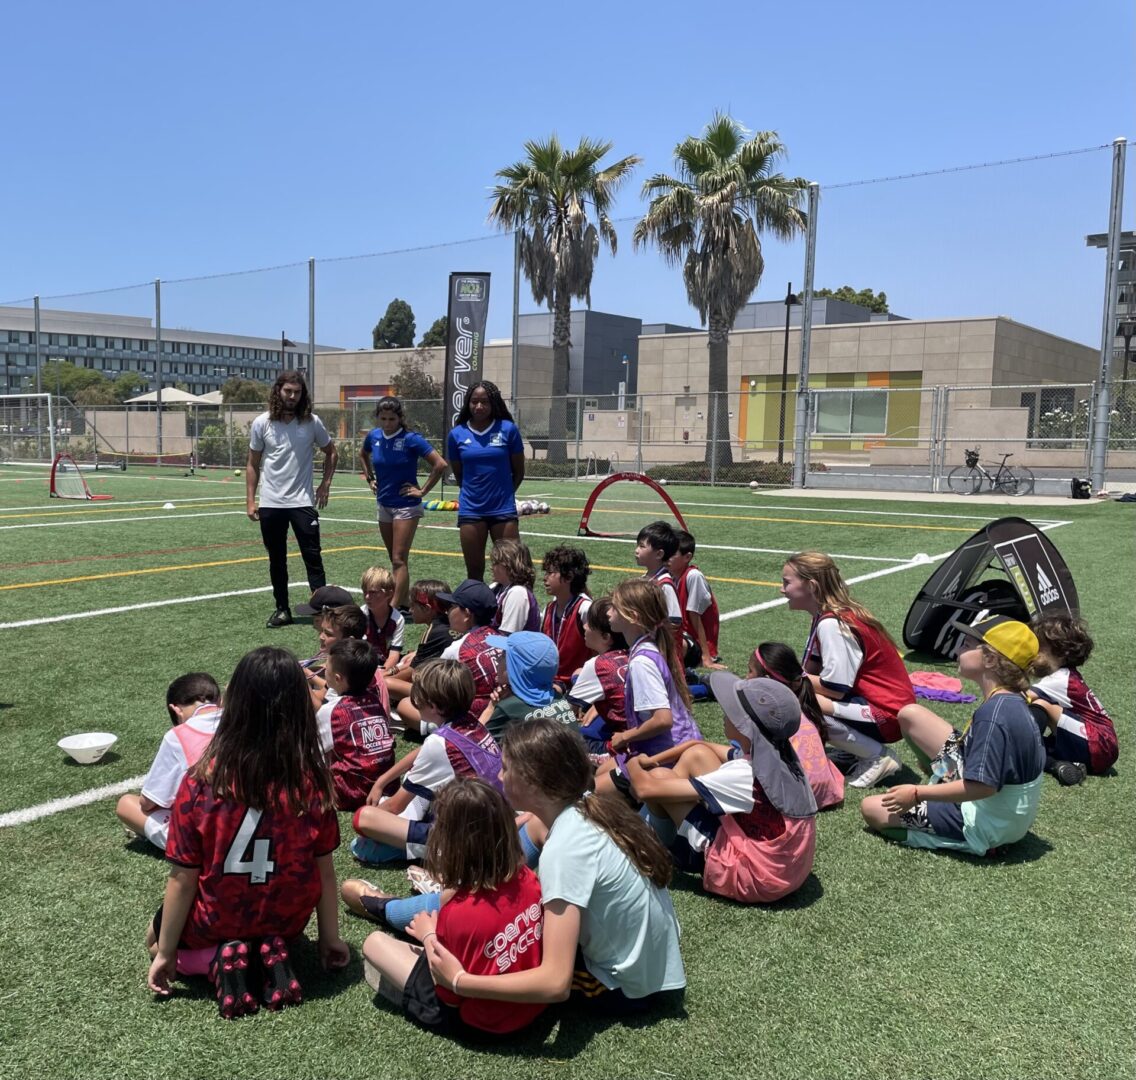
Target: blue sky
x=177 y=140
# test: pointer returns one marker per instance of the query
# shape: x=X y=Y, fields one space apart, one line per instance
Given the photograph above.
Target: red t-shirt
x=491 y=933
x=258 y=873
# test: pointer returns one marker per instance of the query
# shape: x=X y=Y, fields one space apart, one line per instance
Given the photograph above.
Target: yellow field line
x=293 y=555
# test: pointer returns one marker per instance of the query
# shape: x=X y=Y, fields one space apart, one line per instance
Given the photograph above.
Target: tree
x=437 y=334
x=873 y=301
x=422 y=395
x=395 y=330
x=546 y=198
x=708 y=220
x=238 y=391
x=66 y=379
x=100 y=393
x=130 y=384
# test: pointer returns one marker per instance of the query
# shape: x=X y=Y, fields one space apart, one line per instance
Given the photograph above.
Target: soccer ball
x=545 y=508
x=236 y=472
x=753 y=485
x=662 y=483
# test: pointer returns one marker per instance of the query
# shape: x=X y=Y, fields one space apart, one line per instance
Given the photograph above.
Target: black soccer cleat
x=1068 y=773
x=280 y=617
x=281 y=987
x=229 y=974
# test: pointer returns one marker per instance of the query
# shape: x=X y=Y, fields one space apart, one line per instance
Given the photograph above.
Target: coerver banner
x=466 y=313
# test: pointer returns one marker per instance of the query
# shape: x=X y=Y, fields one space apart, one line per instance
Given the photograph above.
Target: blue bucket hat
x=531 y=662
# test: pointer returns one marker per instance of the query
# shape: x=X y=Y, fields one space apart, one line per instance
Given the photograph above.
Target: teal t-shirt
x=628 y=930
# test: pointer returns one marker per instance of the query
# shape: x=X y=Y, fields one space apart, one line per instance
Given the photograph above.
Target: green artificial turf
x=888 y=961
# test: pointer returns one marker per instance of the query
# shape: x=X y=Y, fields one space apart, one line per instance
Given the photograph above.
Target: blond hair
x=377 y=578
x=641 y=601
x=829 y=589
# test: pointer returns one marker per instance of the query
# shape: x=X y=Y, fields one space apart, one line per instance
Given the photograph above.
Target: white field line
x=123 y=520
x=83 y=798
x=789 y=508
x=59 y=504
x=69 y=802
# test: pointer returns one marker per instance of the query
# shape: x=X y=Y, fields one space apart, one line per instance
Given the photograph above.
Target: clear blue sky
x=147 y=140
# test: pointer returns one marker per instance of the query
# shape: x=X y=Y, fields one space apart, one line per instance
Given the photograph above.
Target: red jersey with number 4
x=568 y=634
x=493 y=932
x=258 y=872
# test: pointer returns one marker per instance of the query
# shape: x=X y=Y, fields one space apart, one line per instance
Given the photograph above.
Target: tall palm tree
x=546 y=198
x=708 y=220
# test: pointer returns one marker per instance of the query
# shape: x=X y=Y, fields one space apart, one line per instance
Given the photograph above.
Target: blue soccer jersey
x=395 y=458
x=487 y=471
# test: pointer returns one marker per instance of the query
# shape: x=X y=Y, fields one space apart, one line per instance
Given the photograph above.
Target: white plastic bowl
x=88 y=747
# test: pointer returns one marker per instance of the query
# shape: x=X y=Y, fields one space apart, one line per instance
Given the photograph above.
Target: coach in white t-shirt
x=282 y=445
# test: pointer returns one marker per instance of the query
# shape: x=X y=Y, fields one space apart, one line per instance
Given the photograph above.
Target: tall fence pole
x=515 y=364
x=800 y=420
x=579 y=434
x=158 y=359
x=639 y=425
x=39 y=385
x=714 y=406
x=1108 y=329
x=312 y=328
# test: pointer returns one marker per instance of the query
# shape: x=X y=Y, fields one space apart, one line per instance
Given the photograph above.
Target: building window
x=851 y=412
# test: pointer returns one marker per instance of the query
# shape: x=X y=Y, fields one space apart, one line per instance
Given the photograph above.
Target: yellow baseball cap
x=1008 y=637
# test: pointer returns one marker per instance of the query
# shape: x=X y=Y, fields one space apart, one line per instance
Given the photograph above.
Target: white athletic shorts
x=387 y=514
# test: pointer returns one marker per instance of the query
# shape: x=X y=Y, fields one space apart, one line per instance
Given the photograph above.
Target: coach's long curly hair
x=276 y=402
x=267 y=743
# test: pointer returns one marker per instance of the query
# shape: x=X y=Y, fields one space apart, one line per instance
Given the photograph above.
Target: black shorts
x=420 y=1002
x=489 y=522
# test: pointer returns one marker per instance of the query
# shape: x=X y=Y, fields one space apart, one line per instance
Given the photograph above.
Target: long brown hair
x=778 y=661
x=642 y=602
x=473 y=842
x=276 y=402
x=267 y=742
x=552 y=758
x=829 y=588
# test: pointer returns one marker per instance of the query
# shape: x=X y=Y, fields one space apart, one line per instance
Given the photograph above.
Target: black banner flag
x=466 y=314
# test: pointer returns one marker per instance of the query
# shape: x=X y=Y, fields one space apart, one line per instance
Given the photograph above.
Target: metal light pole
x=790 y=300
x=800 y=421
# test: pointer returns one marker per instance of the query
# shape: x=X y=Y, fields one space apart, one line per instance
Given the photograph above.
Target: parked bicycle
x=1009 y=480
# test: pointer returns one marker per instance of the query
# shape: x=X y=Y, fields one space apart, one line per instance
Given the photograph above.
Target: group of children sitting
x=564 y=743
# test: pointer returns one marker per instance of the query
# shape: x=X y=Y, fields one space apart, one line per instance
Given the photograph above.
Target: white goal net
x=27 y=429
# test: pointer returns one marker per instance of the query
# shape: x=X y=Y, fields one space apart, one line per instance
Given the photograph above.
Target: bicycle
x=968 y=479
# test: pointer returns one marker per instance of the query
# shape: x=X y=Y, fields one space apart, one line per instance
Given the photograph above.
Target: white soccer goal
x=27 y=429
x=67 y=481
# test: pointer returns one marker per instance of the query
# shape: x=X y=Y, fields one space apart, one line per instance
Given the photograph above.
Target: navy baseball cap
x=326 y=596
x=472 y=594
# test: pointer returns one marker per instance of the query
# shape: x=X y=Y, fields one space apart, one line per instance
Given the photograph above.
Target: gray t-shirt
x=288 y=453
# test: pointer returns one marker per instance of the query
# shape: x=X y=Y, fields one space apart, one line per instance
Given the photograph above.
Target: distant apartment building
x=200 y=360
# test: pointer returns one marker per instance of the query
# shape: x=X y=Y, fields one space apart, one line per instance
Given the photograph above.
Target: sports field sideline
x=888 y=960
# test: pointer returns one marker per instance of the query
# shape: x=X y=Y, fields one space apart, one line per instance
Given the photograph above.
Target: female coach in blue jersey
x=488 y=458
x=389 y=457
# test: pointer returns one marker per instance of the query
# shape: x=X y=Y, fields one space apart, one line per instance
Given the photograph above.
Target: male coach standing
x=282 y=446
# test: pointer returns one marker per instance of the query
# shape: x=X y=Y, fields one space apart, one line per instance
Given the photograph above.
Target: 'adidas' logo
x=1048 y=594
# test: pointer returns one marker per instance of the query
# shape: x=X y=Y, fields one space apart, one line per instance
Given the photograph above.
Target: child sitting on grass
x=425 y=610
x=397 y=827
x=325 y=599
x=362 y=745
x=987 y=781
x=193 y=702
x=511 y=567
x=251 y=840
x=654 y=548
x=1076 y=731
x=385 y=624
x=776 y=660
x=598 y=692
x=488 y=915
x=334 y=624
x=698 y=606
x=566 y=573
x=743 y=816
x=525 y=689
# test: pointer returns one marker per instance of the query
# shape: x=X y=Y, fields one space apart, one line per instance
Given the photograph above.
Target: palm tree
x=708 y=220
x=546 y=198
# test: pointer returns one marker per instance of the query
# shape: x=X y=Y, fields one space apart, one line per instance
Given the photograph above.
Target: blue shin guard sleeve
x=400 y=913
